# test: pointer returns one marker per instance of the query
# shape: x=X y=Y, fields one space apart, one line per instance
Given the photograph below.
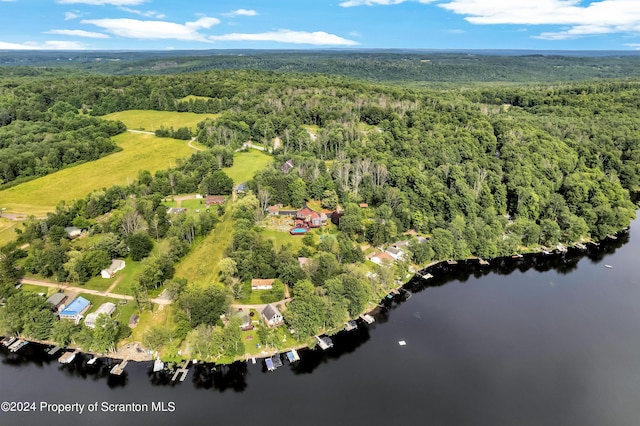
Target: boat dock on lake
x=424 y=276
x=17 y=345
x=8 y=341
x=67 y=357
x=367 y=318
x=158 y=365
x=324 y=342
x=580 y=246
x=181 y=373
x=118 y=369
x=92 y=360
x=54 y=350
x=483 y=262
x=350 y=325
x=293 y=356
x=451 y=262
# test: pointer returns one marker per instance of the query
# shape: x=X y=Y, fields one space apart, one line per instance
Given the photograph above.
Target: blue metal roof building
x=75 y=309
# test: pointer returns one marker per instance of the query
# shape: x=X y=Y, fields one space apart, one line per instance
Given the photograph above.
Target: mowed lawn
x=153 y=120
x=246 y=164
x=7 y=233
x=139 y=152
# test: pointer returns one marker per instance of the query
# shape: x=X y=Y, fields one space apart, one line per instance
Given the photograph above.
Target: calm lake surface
x=538 y=341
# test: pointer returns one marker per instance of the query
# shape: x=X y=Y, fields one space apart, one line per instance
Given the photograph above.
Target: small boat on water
x=517 y=256
x=608 y=266
x=67 y=357
x=367 y=318
x=92 y=360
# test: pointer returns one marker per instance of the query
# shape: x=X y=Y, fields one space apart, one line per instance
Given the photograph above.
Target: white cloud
x=78 y=33
x=47 y=45
x=288 y=36
x=104 y=2
x=600 y=17
x=148 y=13
x=72 y=15
x=241 y=12
x=353 y=3
x=155 y=30
x=635 y=46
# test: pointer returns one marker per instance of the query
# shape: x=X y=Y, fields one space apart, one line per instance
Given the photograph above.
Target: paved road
x=75 y=289
x=258 y=307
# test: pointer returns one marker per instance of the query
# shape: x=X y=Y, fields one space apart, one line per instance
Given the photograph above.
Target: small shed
x=116 y=265
x=133 y=320
x=73 y=232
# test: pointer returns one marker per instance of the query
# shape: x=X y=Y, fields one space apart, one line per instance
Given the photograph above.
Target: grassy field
x=201 y=263
x=152 y=120
x=139 y=152
x=7 y=232
x=194 y=97
x=246 y=164
x=283 y=238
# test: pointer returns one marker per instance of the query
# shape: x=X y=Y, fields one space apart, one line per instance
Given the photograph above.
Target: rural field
x=7 y=230
x=153 y=120
x=246 y=164
x=139 y=152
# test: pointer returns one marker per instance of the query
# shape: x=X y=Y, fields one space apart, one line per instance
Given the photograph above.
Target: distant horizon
x=157 y=25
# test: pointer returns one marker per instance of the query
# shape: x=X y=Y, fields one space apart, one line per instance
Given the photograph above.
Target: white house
x=116 y=265
x=272 y=316
x=257 y=284
x=106 y=308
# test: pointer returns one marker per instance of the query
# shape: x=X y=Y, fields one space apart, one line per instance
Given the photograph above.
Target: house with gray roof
x=272 y=316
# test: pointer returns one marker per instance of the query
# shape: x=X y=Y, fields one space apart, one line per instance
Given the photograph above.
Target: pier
x=54 y=350
x=451 y=262
x=8 y=341
x=324 y=342
x=350 y=325
x=580 y=246
x=67 y=357
x=367 y=318
x=16 y=346
x=424 y=276
x=118 y=369
x=483 y=262
x=181 y=373
x=293 y=356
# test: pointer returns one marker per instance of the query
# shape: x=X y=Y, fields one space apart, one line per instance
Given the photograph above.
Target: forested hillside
x=473 y=172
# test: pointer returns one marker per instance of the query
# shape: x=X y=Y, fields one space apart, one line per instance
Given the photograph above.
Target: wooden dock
x=54 y=350
x=181 y=373
x=367 y=318
x=8 y=341
x=293 y=356
x=92 y=360
x=451 y=262
x=483 y=262
x=118 y=369
x=67 y=357
x=350 y=325
x=17 y=345
x=324 y=342
x=424 y=276
x=580 y=246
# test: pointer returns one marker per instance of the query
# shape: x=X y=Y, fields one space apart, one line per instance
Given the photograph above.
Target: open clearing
x=139 y=152
x=153 y=120
x=246 y=164
x=7 y=232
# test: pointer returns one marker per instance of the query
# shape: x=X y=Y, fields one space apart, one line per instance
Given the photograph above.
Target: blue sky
x=305 y=24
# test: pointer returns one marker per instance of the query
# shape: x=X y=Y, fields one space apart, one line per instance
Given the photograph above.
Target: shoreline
x=394 y=291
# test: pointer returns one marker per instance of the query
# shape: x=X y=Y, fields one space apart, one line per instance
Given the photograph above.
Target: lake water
x=537 y=341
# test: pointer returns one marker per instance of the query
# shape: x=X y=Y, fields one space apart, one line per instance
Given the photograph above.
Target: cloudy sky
x=304 y=24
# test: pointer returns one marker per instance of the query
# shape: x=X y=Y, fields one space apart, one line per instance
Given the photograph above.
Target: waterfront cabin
x=116 y=265
x=76 y=309
x=272 y=316
x=324 y=342
x=106 y=308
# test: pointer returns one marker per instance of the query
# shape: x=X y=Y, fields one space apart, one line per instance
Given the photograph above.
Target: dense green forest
x=401 y=66
x=482 y=171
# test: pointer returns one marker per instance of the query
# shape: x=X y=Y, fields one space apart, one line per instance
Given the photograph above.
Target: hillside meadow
x=153 y=120
x=139 y=152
